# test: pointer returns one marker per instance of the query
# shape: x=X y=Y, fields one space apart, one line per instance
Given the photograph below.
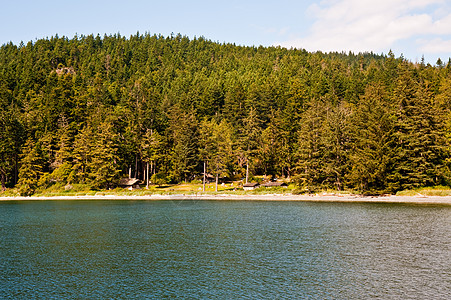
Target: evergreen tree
x=420 y=149
x=373 y=126
x=336 y=137
x=31 y=167
x=10 y=140
x=152 y=151
x=82 y=155
x=183 y=133
x=104 y=166
x=310 y=148
x=216 y=142
x=63 y=164
x=250 y=140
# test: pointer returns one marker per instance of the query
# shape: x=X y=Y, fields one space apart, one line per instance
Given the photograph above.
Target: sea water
x=223 y=250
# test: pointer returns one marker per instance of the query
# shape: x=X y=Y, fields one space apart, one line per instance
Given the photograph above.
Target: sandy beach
x=427 y=200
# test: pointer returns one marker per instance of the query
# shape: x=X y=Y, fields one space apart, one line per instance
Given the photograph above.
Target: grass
x=196 y=188
x=427 y=191
x=169 y=189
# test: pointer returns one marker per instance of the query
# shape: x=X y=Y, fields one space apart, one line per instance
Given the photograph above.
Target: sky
x=411 y=28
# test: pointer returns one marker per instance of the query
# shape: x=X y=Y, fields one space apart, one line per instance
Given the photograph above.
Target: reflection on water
x=206 y=249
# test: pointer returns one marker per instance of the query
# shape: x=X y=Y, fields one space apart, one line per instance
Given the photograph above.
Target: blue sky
x=409 y=27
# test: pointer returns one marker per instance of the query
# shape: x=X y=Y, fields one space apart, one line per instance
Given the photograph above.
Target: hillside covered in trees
x=91 y=109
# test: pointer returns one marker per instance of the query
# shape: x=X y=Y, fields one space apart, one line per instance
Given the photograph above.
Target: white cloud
x=436 y=45
x=368 y=25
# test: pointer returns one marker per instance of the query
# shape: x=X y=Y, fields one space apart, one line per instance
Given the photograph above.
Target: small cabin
x=275 y=184
x=129 y=183
x=250 y=186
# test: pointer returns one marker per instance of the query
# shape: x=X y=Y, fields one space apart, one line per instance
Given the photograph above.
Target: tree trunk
x=136 y=166
x=217 y=179
x=205 y=175
x=3 y=179
x=16 y=169
x=130 y=172
x=247 y=171
x=143 y=170
x=147 y=176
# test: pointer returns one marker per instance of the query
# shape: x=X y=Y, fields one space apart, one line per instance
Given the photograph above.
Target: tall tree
x=31 y=167
x=104 y=166
x=152 y=151
x=10 y=141
x=420 y=149
x=250 y=140
x=216 y=140
x=183 y=133
x=373 y=126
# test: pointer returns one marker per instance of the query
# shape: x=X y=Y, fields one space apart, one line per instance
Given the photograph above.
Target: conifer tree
x=183 y=133
x=250 y=140
x=152 y=151
x=372 y=126
x=216 y=142
x=420 y=143
x=82 y=155
x=64 y=154
x=31 y=167
x=10 y=141
x=310 y=148
x=336 y=138
x=104 y=166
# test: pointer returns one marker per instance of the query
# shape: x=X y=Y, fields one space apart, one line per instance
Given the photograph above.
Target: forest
x=91 y=110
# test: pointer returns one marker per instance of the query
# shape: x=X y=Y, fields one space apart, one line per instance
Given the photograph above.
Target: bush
x=159 y=179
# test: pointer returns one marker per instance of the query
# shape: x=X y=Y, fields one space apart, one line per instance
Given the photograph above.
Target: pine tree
x=10 y=139
x=419 y=132
x=310 y=148
x=183 y=133
x=64 y=154
x=216 y=150
x=31 y=167
x=373 y=126
x=104 y=166
x=336 y=138
x=152 y=151
x=82 y=155
x=250 y=140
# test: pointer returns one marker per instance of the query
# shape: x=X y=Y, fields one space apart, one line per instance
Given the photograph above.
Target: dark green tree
x=373 y=129
x=31 y=167
x=183 y=134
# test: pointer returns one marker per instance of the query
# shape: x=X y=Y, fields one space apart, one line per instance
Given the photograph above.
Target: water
x=223 y=250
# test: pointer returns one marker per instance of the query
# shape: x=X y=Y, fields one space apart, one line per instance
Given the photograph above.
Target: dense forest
x=91 y=109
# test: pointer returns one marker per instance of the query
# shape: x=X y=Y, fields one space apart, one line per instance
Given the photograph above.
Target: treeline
x=92 y=109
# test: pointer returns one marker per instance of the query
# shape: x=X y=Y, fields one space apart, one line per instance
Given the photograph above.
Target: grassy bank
x=428 y=191
x=169 y=189
x=197 y=189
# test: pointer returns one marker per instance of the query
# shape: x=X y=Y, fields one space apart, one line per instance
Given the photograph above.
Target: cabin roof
x=128 y=181
x=274 y=183
x=251 y=184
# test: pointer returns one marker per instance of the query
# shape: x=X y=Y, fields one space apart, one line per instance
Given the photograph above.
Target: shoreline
x=441 y=200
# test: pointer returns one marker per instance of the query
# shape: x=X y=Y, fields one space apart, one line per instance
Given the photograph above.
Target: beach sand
x=428 y=200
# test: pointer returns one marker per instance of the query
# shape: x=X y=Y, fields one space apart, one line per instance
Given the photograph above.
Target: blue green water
x=223 y=250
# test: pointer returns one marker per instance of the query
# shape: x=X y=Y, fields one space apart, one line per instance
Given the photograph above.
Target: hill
x=91 y=109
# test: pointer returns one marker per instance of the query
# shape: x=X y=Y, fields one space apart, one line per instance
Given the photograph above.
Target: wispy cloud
x=368 y=25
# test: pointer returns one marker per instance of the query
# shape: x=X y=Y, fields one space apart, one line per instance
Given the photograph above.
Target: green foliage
x=95 y=109
x=32 y=167
x=373 y=126
x=159 y=179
